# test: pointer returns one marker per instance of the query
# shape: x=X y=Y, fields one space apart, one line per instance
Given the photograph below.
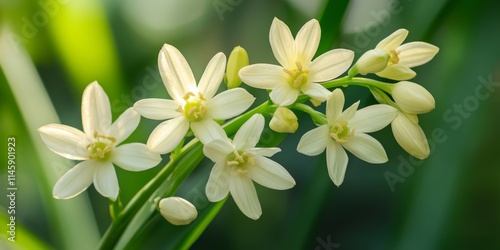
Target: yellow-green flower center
x=101 y=148
x=340 y=132
x=239 y=161
x=194 y=110
x=298 y=76
x=394 y=57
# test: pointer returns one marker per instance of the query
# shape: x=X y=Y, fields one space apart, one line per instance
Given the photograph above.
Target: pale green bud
x=284 y=121
x=372 y=61
x=412 y=98
x=410 y=135
x=237 y=60
x=177 y=211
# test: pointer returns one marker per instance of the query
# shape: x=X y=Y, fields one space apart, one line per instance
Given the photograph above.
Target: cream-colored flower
x=412 y=98
x=347 y=130
x=192 y=106
x=97 y=147
x=177 y=210
x=298 y=73
x=238 y=163
x=400 y=57
x=284 y=121
x=410 y=135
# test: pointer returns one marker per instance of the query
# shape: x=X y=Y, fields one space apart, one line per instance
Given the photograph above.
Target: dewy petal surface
x=314 y=141
x=336 y=161
x=166 y=136
x=366 y=148
x=330 y=65
x=229 y=103
x=284 y=95
x=96 y=110
x=126 y=123
x=218 y=183
x=393 y=41
x=65 y=141
x=175 y=72
x=263 y=76
x=105 y=180
x=307 y=40
x=282 y=43
x=416 y=53
x=249 y=133
x=372 y=118
x=270 y=174
x=75 y=181
x=212 y=77
x=207 y=130
x=245 y=196
x=135 y=157
x=158 y=109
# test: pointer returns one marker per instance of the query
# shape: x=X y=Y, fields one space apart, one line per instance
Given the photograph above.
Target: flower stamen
x=299 y=75
x=340 y=132
x=101 y=147
x=394 y=57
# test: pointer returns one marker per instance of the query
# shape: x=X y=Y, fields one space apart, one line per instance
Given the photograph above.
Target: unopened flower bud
x=372 y=61
x=177 y=211
x=237 y=60
x=412 y=98
x=410 y=135
x=284 y=121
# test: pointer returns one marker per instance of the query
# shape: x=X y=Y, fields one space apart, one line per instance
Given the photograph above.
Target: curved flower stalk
x=391 y=59
x=238 y=163
x=347 y=130
x=97 y=147
x=298 y=73
x=192 y=106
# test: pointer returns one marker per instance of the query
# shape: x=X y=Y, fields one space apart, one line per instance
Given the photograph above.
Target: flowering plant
x=200 y=122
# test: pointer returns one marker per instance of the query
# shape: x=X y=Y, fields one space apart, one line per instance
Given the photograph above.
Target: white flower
x=97 y=146
x=403 y=57
x=347 y=130
x=177 y=211
x=297 y=73
x=192 y=106
x=410 y=135
x=412 y=98
x=238 y=162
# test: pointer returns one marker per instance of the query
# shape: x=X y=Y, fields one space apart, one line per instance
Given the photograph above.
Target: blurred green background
x=51 y=49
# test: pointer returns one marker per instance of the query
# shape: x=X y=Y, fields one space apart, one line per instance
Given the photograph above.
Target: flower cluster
x=195 y=108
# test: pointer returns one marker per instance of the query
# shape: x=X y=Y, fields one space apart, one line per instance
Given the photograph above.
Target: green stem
x=114 y=232
x=359 y=81
x=318 y=117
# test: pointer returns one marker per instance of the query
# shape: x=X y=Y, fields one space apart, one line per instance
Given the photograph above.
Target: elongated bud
x=284 y=121
x=177 y=211
x=372 y=61
x=412 y=98
x=237 y=60
x=410 y=135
